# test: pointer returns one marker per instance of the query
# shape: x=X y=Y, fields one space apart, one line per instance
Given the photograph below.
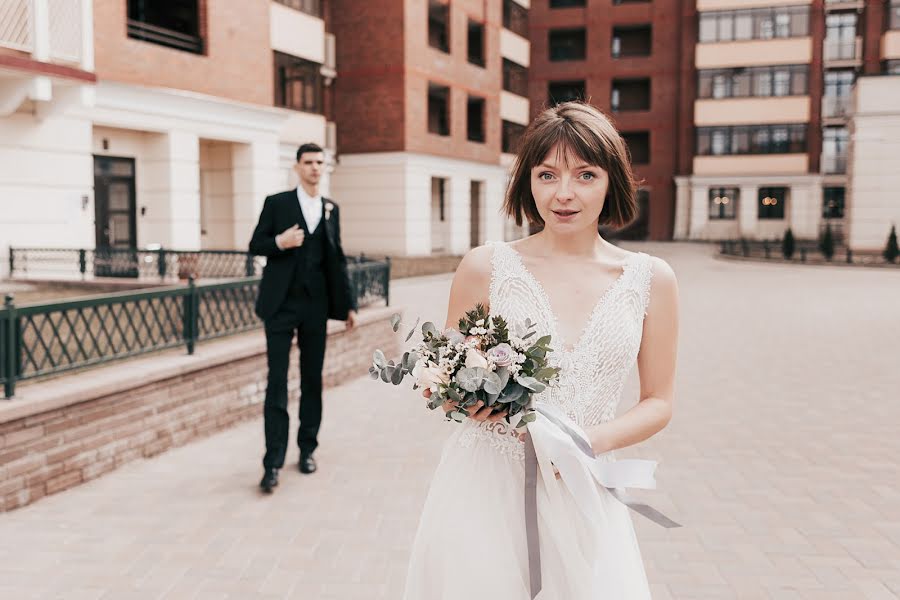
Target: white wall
x=873 y=202
x=386 y=201
x=216 y=196
x=46 y=173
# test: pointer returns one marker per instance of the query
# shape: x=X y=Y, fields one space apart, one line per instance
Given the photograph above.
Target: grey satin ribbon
x=531 y=521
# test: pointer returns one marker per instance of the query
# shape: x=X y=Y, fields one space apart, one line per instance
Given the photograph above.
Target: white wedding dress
x=471 y=542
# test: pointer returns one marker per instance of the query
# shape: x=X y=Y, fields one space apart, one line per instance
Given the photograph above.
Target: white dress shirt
x=311 y=207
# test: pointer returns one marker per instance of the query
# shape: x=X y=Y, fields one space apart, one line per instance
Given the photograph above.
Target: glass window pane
x=740 y=140
x=741 y=84
x=743 y=25
x=720 y=86
x=726 y=27
x=707 y=28
x=720 y=141
x=781 y=86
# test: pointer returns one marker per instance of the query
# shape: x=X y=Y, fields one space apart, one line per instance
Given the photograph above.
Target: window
x=515 y=78
x=298 y=83
x=638 y=146
x=632 y=41
x=439 y=25
x=833 y=203
x=783 y=80
x=894 y=15
x=476 y=43
x=836 y=100
x=771 y=202
x=840 y=36
x=751 y=139
x=438 y=109
x=630 y=94
x=515 y=17
x=475 y=119
x=723 y=203
x=564 y=91
x=891 y=67
x=754 y=23
x=835 y=141
x=174 y=24
x=567 y=44
x=512 y=135
x=566 y=3
x=310 y=7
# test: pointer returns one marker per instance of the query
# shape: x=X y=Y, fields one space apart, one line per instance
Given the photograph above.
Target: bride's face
x=568 y=192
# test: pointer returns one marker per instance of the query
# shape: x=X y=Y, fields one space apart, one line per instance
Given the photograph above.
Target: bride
x=606 y=309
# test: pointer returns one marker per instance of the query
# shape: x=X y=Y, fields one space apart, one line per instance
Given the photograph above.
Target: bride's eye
x=548 y=176
x=588 y=176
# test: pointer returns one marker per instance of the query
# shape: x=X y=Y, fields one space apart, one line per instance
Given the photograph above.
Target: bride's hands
x=478 y=412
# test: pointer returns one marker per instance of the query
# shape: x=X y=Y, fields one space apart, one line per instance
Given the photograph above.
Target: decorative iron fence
x=141 y=264
x=43 y=339
x=804 y=251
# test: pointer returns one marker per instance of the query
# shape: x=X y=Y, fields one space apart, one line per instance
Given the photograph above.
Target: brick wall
x=237 y=63
x=56 y=449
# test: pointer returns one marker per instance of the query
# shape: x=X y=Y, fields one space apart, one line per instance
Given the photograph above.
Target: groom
x=304 y=283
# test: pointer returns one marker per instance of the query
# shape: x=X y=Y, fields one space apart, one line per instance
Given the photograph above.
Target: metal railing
x=834 y=164
x=141 y=264
x=804 y=251
x=850 y=50
x=836 y=106
x=48 y=338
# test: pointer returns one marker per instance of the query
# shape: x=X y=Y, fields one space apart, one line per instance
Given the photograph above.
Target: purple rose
x=501 y=355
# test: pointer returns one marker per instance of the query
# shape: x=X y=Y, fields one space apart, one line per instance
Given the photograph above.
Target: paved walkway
x=782 y=461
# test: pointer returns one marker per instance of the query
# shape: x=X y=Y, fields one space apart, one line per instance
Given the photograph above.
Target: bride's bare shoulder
x=475 y=266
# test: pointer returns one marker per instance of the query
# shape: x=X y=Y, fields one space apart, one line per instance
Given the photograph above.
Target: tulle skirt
x=471 y=541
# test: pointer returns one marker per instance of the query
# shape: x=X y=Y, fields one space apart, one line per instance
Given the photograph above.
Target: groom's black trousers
x=307 y=317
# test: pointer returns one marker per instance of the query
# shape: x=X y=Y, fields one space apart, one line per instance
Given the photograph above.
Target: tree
x=787 y=244
x=826 y=243
x=892 y=250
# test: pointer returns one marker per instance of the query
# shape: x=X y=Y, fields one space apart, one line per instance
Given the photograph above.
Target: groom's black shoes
x=269 y=480
x=307 y=463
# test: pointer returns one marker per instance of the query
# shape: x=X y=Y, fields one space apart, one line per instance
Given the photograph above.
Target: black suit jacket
x=282 y=211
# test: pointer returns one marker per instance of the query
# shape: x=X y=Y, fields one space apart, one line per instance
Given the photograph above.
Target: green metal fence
x=48 y=338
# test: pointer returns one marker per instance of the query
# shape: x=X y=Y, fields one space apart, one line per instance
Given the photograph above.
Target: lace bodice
x=596 y=365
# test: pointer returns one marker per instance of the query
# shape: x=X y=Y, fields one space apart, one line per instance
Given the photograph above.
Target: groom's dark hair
x=307 y=148
x=579 y=131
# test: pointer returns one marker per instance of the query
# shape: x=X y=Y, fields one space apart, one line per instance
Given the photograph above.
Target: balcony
x=48 y=30
x=839 y=53
x=836 y=5
x=834 y=164
x=48 y=44
x=836 y=107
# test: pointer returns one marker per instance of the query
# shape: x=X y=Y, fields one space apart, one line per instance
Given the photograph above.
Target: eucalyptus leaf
x=397 y=376
x=543 y=341
x=546 y=373
x=532 y=384
x=429 y=327
x=469 y=379
x=493 y=385
x=511 y=392
x=395 y=322
x=454 y=395
x=386 y=374
x=503 y=374
x=413 y=330
x=373 y=372
x=379 y=359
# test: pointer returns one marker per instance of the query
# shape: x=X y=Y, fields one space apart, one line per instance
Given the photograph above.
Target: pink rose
x=501 y=355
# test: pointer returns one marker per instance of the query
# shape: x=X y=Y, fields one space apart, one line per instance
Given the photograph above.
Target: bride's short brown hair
x=581 y=131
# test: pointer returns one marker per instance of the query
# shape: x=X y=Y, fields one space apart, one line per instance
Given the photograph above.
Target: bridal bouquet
x=481 y=360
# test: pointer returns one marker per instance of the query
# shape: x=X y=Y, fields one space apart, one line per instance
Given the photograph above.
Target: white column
x=171 y=192
x=40 y=30
x=458 y=207
x=255 y=175
x=493 y=217
x=682 y=207
x=699 y=212
x=805 y=206
x=748 y=211
x=87 y=35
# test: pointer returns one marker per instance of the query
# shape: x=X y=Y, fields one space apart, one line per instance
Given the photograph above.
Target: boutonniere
x=328 y=208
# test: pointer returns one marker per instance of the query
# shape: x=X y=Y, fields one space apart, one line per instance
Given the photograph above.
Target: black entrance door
x=115 y=218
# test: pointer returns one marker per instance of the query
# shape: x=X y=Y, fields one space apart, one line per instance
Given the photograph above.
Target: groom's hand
x=290 y=238
x=351 y=320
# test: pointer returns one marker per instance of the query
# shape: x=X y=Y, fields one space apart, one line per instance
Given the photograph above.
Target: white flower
x=501 y=355
x=429 y=375
x=474 y=358
x=328 y=208
x=479 y=322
